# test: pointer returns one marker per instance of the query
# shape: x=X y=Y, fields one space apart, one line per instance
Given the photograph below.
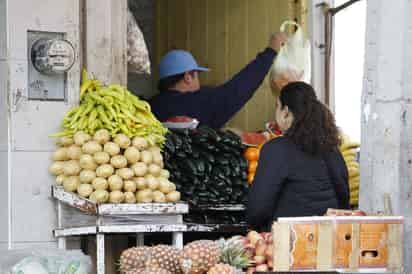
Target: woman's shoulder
x=279 y=144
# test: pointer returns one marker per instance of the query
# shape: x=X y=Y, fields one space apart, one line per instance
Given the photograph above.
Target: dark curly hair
x=314 y=129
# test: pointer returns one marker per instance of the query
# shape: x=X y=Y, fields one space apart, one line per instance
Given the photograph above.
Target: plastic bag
x=48 y=261
x=137 y=54
x=294 y=58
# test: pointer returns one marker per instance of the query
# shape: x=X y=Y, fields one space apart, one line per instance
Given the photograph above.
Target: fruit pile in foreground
x=114 y=170
x=203 y=256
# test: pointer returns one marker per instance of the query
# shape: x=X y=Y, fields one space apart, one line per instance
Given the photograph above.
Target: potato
x=71 y=168
x=87 y=176
x=129 y=198
x=129 y=186
x=118 y=161
x=85 y=190
x=165 y=173
x=125 y=173
x=139 y=169
x=144 y=196
x=154 y=169
x=102 y=136
x=99 y=196
x=71 y=183
x=116 y=197
x=60 y=154
x=165 y=186
x=57 y=168
x=91 y=147
x=159 y=197
x=132 y=155
x=152 y=182
x=115 y=182
x=100 y=184
x=60 y=179
x=87 y=162
x=104 y=171
x=80 y=138
x=146 y=157
x=122 y=141
x=101 y=157
x=173 y=197
x=140 y=143
x=140 y=183
x=74 y=152
x=111 y=148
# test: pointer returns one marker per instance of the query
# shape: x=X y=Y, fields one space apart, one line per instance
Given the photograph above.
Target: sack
x=46 y=261
x=293 y=58
x=137 y=54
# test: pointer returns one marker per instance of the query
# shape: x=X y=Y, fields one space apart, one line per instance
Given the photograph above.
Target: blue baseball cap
x=178 y=62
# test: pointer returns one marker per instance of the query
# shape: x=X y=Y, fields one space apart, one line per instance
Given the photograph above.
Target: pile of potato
x=112 y=170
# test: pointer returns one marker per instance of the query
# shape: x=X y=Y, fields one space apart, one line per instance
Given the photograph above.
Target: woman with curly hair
x=302 y=173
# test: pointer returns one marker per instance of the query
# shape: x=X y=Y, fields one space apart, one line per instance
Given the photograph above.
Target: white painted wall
x=386 y=157
x=32 y=211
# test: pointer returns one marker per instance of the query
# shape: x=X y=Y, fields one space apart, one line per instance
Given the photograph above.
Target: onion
x=80 y=138
x=74 y=152
x=85 y=190
x=140 y=183
x=165 y=173
x=60 y=154
x=125 y=173
x=139 y=169
x=132 y=155
x=129 y=198
x=140 y=143
x=144 y=196
x=71 y=168
x=65 y=141
x=173 y=197
x=116 y=197
x=101 y=157
x=60 y=179
x=146 y=157
x=102 y=136
x=71 y=184
x=118 y=161
x=87 y=162
x=122 y=140
x=91 y=147
x=159 y=197
x=104 y=171
x=115 y=182
x=100 y=183
x=154 y=169
x=112 y=148
x=57 y=168
x=152 y=182
x=99 y=196
x=87 y=176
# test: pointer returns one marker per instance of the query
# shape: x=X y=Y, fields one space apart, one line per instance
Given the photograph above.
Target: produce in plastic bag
x=47 y=261
x=293 y=61
x=137 y=53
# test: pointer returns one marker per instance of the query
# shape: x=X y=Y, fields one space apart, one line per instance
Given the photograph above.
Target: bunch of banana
x=114 y=108
x=349 y=151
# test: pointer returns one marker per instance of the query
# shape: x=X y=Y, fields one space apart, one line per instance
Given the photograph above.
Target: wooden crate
x=338 y=243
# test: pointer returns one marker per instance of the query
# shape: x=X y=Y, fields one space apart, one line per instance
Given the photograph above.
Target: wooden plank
x=324 y=260
x=66 y=232
x=198 y=34
x=395 y=248
x=143 y=209
x=258 y=19
x=354 y=257
x=106 y=40
x=142 y=228
x=281 y=242
x=237 y=24
x=73 y=200
x=178 y=23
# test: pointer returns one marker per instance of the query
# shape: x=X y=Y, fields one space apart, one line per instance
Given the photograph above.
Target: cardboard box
x=345 y=243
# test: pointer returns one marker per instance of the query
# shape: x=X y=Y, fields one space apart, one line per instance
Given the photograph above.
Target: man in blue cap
x=181 y=94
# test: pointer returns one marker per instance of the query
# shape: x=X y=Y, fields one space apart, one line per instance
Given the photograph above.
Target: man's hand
x=277 y=40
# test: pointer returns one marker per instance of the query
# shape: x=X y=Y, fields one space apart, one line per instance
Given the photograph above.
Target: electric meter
x=52 y=56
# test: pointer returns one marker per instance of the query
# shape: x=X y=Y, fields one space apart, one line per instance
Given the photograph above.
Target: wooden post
x=106 y=40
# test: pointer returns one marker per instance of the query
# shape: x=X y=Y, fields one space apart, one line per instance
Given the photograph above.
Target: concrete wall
x=27 y=214
x=386 y=158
